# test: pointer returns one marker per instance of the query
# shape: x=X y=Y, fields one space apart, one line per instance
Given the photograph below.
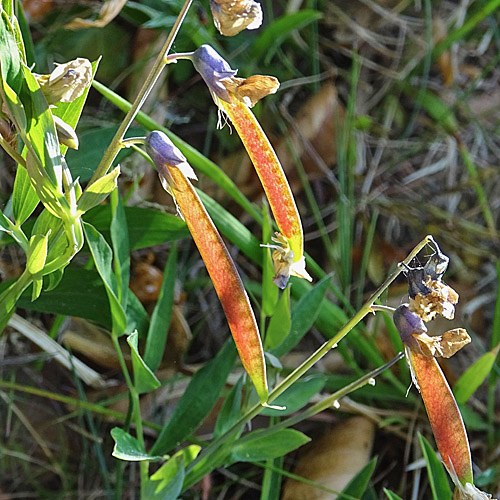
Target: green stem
x=367 y=308
x=12 y=152
x=160 y=63
x=136 y=409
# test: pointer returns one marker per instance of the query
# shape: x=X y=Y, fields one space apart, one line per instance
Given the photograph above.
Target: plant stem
x=160 y=63
x=367 y=308
x=136 y=409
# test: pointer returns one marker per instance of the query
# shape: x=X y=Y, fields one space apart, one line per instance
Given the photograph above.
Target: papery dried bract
x=445 y=345
x=252 y=89
x=440 y=299
x=233 y=16
x=67 y=82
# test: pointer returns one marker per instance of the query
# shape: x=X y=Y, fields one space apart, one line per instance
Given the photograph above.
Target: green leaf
x=358 y=484
x=438 y=477
x=230 y=410
x=144 y=379
x=391 y=496
x=97 y=192
x=128 y=447
x=120 y=242
x=146 y=227
x=166 y=482
x=280 y=322
x=297 y=396
x=93 y=143
x=101 y=252
x=304 y=315
x=198 y=399
x=37 y=288
x=273 y=36
x=37 y=253
x=260 y=445
x=160 y=319
x=474 y=376
x=24 y=197
x=10 y=61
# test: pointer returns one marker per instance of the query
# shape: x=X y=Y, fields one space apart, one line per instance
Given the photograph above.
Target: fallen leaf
x=332 y=460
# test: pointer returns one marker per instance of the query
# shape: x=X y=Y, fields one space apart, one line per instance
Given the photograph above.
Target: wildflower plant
x=43 y=111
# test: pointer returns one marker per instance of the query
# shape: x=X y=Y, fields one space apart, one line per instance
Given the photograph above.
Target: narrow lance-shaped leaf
x=234 y=96
x=174 y=171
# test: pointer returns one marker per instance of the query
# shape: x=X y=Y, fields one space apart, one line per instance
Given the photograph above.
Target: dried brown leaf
x=332 y=460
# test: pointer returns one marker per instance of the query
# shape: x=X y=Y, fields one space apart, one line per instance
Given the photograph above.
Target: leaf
x=297 y=396
x=280 y=322
x=166 y=482
x=474 y=376
x=260 y=445
x=101 y=252
x=128 y=447
x=24 y=197
x=358 y=484
x=97 y=192
x=93 y=143
x=162 y=314
x=144 y=379
x=437 y=475
x=230 y=410
x=146 y=227
x=10 y=61
x=197 y=401
x=120 y=242
x=391 y=496
x=304 y=315
x=332 y=460
x=273 y=36
x=37 y=253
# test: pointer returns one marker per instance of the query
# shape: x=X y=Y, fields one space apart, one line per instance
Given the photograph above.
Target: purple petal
x=162 y=150
x=213 y=69
x=408 y=323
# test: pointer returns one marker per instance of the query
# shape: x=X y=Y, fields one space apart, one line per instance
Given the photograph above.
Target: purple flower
x=407 y=324
x=213 y=69
x=162 y=150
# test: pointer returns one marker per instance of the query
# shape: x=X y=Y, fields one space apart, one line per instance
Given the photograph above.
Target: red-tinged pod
x=444 y=416
x=270 y=173
x=219 y=264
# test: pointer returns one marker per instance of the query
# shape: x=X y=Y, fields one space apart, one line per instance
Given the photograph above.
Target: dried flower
x=67 y=82
x=283 y=262
x=233 y=16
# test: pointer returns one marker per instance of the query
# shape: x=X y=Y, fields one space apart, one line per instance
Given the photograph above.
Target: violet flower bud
x=407 y=324
x=162 y=150
x=213 y=69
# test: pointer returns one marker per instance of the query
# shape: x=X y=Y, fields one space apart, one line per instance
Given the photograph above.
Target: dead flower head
x=283 y=263
x=429 y=296
x=223 y=83
x=413 y=333
x=67 y=82
x=233 y=16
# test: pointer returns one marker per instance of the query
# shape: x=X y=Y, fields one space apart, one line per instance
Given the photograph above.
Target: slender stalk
x=159 y=65
x=367 y=308
x=136 y=410
x=12 y=152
